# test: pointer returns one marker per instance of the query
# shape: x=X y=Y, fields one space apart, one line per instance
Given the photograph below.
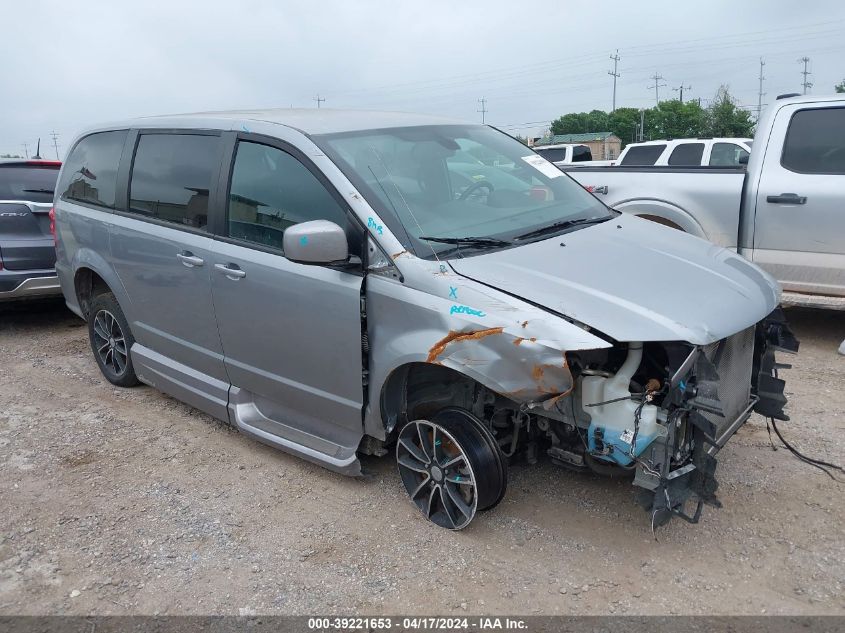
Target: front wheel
x=450 y=468
x=111 y=340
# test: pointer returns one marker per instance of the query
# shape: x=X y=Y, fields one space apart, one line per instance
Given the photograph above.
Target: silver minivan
x=339 y=284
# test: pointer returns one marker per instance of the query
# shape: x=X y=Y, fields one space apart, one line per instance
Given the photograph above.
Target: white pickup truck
x=785 y=212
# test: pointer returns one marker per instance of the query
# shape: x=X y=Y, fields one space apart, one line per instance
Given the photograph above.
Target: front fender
x=509 y=346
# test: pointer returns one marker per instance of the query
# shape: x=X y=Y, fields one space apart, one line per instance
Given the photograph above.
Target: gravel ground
x=125 y=501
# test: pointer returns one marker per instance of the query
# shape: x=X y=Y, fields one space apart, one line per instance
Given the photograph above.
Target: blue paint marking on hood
x=634 y=280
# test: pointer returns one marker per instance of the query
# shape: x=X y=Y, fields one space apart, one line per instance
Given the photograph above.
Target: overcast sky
x=68 y=65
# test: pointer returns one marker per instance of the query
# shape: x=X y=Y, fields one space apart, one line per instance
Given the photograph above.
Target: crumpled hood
x=633 y=280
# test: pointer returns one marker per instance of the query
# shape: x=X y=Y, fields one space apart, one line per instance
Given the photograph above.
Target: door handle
x=189 y=259
x=787 y=198
x=232 y=273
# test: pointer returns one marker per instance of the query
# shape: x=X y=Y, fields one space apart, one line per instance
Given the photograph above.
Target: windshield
x=457 y=181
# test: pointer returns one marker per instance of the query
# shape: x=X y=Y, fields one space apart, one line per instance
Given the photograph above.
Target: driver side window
x=270 y=191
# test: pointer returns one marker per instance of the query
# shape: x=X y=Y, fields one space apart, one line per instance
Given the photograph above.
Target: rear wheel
x=450 y=467
x=111 y=340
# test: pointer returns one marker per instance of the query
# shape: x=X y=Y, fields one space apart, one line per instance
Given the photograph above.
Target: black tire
x=111 y=339
x=457 y=415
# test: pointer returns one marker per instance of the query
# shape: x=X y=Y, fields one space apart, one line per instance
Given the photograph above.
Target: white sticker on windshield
x=543 y=166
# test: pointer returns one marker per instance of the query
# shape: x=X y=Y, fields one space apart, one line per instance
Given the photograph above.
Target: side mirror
x=743 y=160
x=316 y=242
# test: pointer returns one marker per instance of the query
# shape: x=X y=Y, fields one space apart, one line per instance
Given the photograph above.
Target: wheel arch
x=418 y=390
x=91 y=276
x=664 y=213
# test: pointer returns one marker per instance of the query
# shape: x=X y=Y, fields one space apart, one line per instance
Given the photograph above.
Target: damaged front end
x=657 y=412
x=683 y=404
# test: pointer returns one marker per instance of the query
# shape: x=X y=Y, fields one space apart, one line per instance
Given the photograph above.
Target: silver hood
x=633 y=280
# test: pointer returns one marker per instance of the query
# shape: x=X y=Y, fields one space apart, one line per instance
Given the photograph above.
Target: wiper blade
x=468 y=241
x=39 y=191
x=560 y=226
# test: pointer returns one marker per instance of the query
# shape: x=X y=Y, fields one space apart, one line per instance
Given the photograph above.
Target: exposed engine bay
x=658 y=412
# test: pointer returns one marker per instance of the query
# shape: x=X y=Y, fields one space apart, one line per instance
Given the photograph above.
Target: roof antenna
x=37 y=150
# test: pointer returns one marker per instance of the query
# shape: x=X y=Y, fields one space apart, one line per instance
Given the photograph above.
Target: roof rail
x=789 y=95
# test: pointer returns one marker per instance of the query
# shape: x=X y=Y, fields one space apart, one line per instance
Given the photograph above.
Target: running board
x=798 y=299
x=249 y=420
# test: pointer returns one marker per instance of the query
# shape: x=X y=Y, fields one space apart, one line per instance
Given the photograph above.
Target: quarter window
x=171 y=178
x=271 y=190
x=90 y=172
x=815 y=142
x=687 y=154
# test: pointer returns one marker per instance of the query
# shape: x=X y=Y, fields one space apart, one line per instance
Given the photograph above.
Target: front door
x=798 y=234
x=161 y=250
x=291 y=332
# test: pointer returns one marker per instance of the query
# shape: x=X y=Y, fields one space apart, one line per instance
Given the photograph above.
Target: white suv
x=688 y=152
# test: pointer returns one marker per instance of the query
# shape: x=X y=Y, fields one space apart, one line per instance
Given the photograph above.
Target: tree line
x=669 y=119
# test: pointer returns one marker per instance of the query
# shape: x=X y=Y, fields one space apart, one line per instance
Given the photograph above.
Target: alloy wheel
x=110 y=342
x=448 y=470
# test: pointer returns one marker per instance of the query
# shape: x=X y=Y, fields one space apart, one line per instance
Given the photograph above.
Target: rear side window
x=270 y=191
x=581 y=153
x=643 y=155
x=687 y=154
x=90 y=172
x=815 y=142
x=726 y=154
x=171 y=177
x=28 y=183
x=552 y=155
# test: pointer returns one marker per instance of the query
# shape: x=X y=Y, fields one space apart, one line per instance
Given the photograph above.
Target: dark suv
x=27 y=248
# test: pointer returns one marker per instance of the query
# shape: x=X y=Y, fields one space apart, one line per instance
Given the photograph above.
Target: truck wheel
x=111 y=340
x=449 y=468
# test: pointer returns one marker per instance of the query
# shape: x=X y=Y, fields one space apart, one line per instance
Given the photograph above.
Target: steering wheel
x=475 y=187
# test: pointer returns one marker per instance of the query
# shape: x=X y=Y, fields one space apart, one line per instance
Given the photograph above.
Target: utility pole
x=657 y=78
x=26 y=150
x=55 y=142
x=805 y=72
x=760 y=92
x=319 y=100
x=681 y=88
x=642 y=124
x=483 y=109
x=615 y=76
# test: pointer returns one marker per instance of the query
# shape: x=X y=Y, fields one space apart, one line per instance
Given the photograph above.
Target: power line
x=681 y=89
x=483 y=109
x=807 y=85
x=671 y=47
x=657 y=78
x=55 y=142
x=760 y=92
x=319 y=100
x=506 y=90
x=615 y=76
